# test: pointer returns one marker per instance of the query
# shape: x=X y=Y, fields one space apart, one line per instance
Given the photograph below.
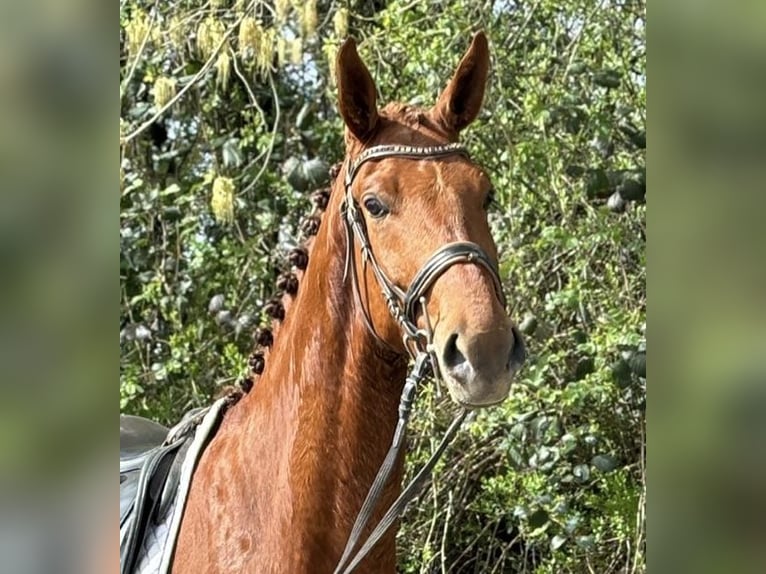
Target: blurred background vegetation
x=228 y=121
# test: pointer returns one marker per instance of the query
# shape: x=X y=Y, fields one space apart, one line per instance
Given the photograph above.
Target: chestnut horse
x=280 y=485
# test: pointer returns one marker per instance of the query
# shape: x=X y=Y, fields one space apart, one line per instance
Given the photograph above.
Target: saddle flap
x=128 y=489
x=156 y=466
x=146 y=497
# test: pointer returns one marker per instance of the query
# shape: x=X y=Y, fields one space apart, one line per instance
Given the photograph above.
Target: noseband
x=403 y=306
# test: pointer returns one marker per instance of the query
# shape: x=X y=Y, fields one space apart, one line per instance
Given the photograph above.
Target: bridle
x=403 y=306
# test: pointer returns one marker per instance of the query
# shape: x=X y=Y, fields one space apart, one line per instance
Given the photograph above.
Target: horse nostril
x=452 y=356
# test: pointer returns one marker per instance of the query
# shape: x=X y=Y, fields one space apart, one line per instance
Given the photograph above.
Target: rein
x=403 y=306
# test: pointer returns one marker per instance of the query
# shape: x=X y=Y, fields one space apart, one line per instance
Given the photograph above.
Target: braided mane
x=287 y=285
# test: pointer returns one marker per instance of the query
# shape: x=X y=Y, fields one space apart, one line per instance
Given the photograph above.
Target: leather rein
x=403 y=306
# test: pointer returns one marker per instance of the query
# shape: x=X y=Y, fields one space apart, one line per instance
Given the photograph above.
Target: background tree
x=228 y=120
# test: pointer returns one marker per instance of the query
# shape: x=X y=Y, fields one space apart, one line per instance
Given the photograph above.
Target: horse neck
x=320 y=420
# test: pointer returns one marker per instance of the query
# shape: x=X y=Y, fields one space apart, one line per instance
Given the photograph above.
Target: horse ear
x=460 y=102
x=357 y=97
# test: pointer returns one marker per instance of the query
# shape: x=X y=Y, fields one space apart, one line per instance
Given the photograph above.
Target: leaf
x=557 y=542
x=571 y=524
x=577 y=67
x=525 y=417
x=584 y=367
x=597 y=184
x=317 y=172
x=172 y=189
x=568 y=443
x=607 y=78
x=574 y=170
x=303 y=114
x=516 y=456
x=544 y=499
x=631 y=189
x=538 y=518
x=634 y=136
x=232 y=157
x=528 y=324
x=291 y=171
x=539 y=426
x=518 y=431
x=604 y=462
x=616 y=203
x=223 y=317
x=638 y=364
x=621 y=373
x=581 y=472
x=520 y=512
x=585 y=542
x=142 y=333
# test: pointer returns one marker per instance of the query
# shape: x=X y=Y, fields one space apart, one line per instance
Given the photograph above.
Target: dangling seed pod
x=310 y=225
x=321 y=198
x=275 y=309
x=246 y=384
x=335 y=170
x=299 y=257
x=263 y=337
x=256 y=362
x=288 y=283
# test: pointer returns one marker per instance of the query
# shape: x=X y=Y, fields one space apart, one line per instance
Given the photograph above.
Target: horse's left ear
x=460 y=102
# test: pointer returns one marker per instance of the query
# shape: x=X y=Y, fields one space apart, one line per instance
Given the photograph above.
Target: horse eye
x=375 y=207
x=489 y=201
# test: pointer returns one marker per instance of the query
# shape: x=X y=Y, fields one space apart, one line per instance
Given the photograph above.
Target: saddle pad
x=153 y=552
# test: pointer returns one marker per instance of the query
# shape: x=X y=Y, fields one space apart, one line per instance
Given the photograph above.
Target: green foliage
x=557 y=471
x=551 y=481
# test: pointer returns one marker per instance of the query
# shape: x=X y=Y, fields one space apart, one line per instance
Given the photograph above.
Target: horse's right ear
x=460 y=102
x=357 y=98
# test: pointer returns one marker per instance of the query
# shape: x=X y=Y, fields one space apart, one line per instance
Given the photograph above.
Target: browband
x=395 y=150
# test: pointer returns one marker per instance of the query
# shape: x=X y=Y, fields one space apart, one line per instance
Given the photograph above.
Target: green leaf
x=585 y=542
x=598 y=184
x=581 y=472
x=631 y=189
x=557 y=542
x=303 y=115
x=528 y=324
x=317 y=172
x=571 y=524
x=538 y=518
x=232 y=157
x=638 y=364
x=172 y=189
x=604 y=462
x=621 y=373
x=607 y=78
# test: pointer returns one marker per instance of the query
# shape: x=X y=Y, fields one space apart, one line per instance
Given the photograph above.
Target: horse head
x=423 y=258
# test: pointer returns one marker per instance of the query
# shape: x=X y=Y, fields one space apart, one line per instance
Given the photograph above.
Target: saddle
x=156 y=467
